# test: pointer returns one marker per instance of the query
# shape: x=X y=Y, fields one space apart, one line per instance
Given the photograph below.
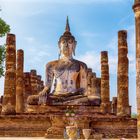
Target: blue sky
x=38 y=24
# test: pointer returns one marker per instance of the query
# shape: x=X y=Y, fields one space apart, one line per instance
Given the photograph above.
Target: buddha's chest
x=66 y=69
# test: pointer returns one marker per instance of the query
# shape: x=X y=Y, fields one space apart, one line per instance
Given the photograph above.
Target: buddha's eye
x=70 y=41
x=64 y=41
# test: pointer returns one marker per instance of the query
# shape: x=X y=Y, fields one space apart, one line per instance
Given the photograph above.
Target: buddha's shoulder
x=82 y=64
x=52 y=63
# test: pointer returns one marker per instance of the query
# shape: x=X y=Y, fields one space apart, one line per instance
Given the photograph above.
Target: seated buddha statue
x=66 y=78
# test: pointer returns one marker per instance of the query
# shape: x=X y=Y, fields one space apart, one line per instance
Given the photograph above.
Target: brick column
x=42 y=85
x=33 y=80
x=20 y=82
x=98 y=84
x=27 y=91
x=122 y=78
x=136 y=9
x=89 y=76
x=93 y=84
x=105 y=88
x=38 y=83
x=8 y=106
x=94 y=96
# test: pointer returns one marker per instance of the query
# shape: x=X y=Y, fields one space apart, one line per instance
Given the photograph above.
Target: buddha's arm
x=49 y=76
x=48 y=80
x=83 y=78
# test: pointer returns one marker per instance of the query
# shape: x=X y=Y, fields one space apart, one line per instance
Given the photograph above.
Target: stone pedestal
x=8 y=105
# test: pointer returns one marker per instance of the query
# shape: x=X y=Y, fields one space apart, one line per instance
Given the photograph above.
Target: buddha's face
x=67 y=47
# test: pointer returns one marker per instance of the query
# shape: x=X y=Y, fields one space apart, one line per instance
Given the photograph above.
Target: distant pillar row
x=19 y=82
x=32 y=84
x=105 y=88
x=122 y=78
x=136 y=9
x=96 y=85
x=93 y=85
x=89 y=77
x=33 y=76
x=8 y=106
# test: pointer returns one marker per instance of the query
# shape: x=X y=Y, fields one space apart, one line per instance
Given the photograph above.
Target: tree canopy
x=4 y=28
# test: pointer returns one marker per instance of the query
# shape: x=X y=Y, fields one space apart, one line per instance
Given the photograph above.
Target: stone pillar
x=136 y=9
x=8 y=106
x=33 y=80
x=42 y=85
x=94 y=97
x=27 y=91
x=114 y=105
x=105 y=88
x=89 y=76
x=20 y=82
x=93 y=84
x=122 y=78
x=98 y=85
x=38 y=83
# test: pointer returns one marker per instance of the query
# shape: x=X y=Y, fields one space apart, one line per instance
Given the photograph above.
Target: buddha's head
x=67 y=43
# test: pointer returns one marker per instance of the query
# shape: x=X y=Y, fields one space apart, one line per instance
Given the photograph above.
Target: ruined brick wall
x=37 y=125
x=33 y=84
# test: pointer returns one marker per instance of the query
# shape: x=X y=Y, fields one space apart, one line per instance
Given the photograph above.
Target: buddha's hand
x=33 y=100
x=45 y=91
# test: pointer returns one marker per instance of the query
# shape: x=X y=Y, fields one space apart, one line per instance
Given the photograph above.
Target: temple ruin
x=71 y=90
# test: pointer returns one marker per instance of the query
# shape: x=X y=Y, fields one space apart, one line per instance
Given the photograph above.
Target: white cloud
x=92 y=60
x=29 y=39
x=87 y=34
x=36 y=52
x=1 y=85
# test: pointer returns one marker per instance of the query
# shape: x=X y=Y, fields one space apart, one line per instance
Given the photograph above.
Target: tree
x=4 y=28
x=134 y=115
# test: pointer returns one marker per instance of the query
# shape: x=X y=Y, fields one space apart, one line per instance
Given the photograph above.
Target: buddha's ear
x=73 y=48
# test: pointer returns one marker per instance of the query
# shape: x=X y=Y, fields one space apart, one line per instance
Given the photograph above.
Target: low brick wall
x=36 y=125
x=115 y=127
x=24 y=125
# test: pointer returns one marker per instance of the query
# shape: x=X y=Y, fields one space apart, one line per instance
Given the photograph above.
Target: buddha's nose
x=66 y=46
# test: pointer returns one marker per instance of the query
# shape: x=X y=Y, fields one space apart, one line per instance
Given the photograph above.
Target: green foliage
x=2 y=58
x=134 y=115
x=4 y=28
